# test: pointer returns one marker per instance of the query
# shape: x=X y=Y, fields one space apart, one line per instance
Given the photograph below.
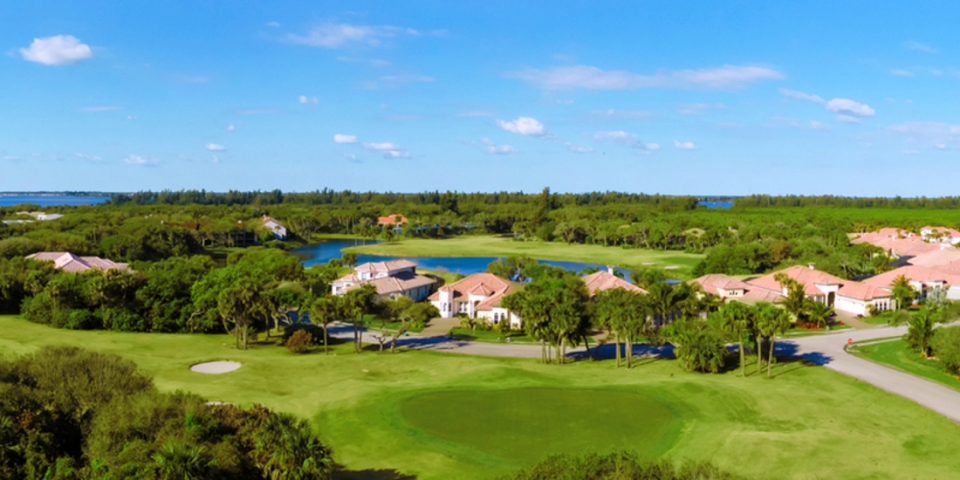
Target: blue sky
x=671 y=97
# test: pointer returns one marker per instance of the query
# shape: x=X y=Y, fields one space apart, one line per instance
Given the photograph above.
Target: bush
x=81 y=320
x=300 y=341
x=617 y=466
x=315 y=331
x=946 y=346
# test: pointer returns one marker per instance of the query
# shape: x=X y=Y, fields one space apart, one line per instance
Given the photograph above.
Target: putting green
x=529 y=423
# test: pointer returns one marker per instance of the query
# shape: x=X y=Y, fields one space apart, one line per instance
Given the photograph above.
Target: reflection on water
x=325 y=251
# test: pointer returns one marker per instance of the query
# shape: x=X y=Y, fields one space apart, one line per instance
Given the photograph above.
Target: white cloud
x=848 y=119
x=901 y=73
x=213 y=147
x=931 y=133
x=582 y=76
x=230 y=127
x=818 y=125
x=406 y=78
x=100 y=108
x=940 y=146
x=215 y=159
x=388 y=149
x=698 y=108
x=336 y=35
x=800 y=95
x=56 y=50
x=523 y=126
x=920 y=47
x=618 y=136
x=380 y=146
x=684 y=145
x=308 y=100
x=273 y=24
x=138 y=160
x=131 y=117
x=90 y=158
x=849 y=107
x=612 y=113
x=911 y=152
x=626 y=139
x=494 y=149
x=577 y=148
x=341 y=138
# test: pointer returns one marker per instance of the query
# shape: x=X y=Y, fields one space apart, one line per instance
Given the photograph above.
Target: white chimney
x=811 y=266
x=610 y=270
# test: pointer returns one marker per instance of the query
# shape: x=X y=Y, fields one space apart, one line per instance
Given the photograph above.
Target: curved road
x=824 y=349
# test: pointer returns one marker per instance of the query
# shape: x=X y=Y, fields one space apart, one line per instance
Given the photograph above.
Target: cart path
x=824 y=349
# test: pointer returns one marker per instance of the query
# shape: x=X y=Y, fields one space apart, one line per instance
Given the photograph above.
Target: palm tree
x=736 y=318
x=176 y=461
x=773 y=322
x=795 y=301
x=902 y=291
x=921 y=330
x=819 y=313
x=323 y=311
x=357 y=303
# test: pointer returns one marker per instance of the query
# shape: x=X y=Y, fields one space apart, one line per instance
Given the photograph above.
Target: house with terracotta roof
x=940 y=235
x=944 y=254
x=477 y=296
x=394 y=218
x=69 y=262
x=922 y=279
x=605 y=280
x=279 y=231
x=729 y=288
x=843 y=295
x=392 y=278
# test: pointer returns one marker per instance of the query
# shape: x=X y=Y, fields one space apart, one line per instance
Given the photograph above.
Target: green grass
x=535 y=431
x=498 y=246
x=899 y=355
x=447 y=277
x=808 y=422
x=489 y=336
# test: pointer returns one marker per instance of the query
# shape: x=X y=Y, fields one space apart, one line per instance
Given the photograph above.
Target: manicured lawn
x=438 y=415
x=448 y=277
x=899 y=355
x=496 y=246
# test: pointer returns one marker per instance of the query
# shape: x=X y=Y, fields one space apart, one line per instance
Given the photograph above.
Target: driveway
x=828 y=350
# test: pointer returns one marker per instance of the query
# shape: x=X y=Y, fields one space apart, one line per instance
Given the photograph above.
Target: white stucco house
x=922 y=279
x=843 y=295
x=69 y=262
x=477 y=296
x=940 y=235
x=392 y=279
x=279 y=231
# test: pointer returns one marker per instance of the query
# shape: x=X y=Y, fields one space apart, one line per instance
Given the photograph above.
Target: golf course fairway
x=528 y=424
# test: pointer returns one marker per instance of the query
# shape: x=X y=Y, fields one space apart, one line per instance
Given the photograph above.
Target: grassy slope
x=494 y=246
x=899 y=355
x=808 y=422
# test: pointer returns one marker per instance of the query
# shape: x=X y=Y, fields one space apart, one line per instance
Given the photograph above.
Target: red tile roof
x=487 y=284
x=604 y=280
x=913 y=273
x=69 y=262
x=394 y=218
x=713 y=281
x=810 y=278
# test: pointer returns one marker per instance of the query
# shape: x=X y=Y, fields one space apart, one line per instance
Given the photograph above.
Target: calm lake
x=323 y=252
x=717 y=204
x=49 y=200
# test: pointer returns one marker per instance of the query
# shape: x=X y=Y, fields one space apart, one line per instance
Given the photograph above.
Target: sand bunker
x=215 y=367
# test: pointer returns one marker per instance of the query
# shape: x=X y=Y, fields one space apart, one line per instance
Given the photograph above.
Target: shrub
x=300 y=342
x=617 y=466
x=315 y=331
x=946 y=346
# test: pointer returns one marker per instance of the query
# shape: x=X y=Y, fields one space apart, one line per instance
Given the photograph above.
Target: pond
x=325 y=251
x=49 y=200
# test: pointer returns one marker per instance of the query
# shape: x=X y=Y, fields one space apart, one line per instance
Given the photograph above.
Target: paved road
x=824 y=349
x=827 y=350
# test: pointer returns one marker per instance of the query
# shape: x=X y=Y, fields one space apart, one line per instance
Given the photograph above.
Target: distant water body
x=717 y=204
x=49 y=200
